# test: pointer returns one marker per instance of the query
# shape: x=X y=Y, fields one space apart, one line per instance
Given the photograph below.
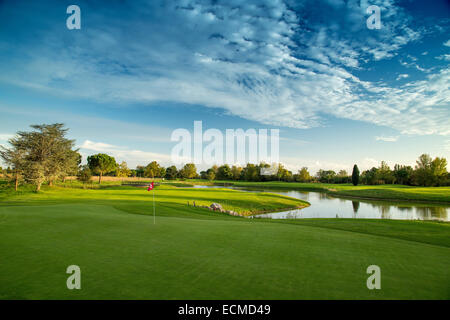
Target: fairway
x=194 y=253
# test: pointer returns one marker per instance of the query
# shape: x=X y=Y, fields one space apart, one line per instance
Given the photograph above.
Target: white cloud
x=447 y=43
x=386 y=139
x=132 y=157
x=445 y=57
x=5 y=136
x=402 y=76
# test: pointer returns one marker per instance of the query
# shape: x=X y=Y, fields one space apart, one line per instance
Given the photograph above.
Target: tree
x=153 y=169
x=384 y=174
x=102 y=164
x=439 y=171
x=140 y=171
x=236 y=172
x=224 y=173
x=403 y=174
x=251 y=172
x=189 y=171
x=423 y=173
x=72 y=167
x=210 y=174
x=171 y=173
x=326 y=175
x=122 y=170
x=13 y=157
x=84 y=174
x=369 y=176
x=355 y=175
x=45 y=153
x=303 y=175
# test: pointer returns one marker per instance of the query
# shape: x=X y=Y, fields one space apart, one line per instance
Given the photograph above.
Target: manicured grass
x=193 y=253
x=381 y=192
x=242 y=202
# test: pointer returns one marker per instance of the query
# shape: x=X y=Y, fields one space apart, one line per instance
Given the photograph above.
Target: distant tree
x=102 y=164
x=303 y=175
x=122 y=170
x=250 y=172
x=14 y=157
x=439 y=171
x=369 y=176
x=84 y=174
x=326 y=176
x=423 y=173
x=403 y=174
x=171 y=173
x=140 y=170
x=384 y=174
x=355 y=175
x=210 y=174
x=189 y=171
x=236 y=172
x=224 y=173
x=283 y=174
x=153 y=169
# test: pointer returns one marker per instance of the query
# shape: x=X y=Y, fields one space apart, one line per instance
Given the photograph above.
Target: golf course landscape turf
x=195 y=253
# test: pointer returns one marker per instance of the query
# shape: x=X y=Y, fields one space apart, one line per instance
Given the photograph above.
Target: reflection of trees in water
x=323 y=196
x=408 y=209
x=431 y=213
x=304 y=194
x=384 y=209
x=291 y=215
x=355 y=205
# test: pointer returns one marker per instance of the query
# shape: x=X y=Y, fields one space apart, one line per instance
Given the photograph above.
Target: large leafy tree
x=423 y=174
x=101 y=164
x=171 y=173
x=355 y=175
x=303 y=175
x=153 y=169
x=236 y=172
x=122 y=170
x=439 y=170
x=189 y=171
x=251 y=172
x=45 y=153
x=224 y=172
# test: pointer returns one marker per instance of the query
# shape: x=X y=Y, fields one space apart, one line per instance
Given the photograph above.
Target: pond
x=325 y=206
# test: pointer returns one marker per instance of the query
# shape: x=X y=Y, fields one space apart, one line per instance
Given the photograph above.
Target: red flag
x=150 y=187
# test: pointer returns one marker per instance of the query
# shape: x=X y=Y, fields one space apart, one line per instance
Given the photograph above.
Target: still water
x=326 y=206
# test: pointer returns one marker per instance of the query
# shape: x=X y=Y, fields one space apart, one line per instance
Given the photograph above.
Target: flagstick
x=154 y=219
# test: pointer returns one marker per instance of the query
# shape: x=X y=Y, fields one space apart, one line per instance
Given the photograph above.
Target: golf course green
x=195 y=253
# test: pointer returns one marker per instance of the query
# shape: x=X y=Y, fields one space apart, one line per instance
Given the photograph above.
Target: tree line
x=46 y=155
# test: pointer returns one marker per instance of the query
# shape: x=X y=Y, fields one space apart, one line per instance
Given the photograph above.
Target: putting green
x=193 y=253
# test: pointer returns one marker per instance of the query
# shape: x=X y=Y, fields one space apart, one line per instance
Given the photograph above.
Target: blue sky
x=339 y=92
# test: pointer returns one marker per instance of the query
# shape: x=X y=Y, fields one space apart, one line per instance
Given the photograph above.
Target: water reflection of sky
x=325 y=206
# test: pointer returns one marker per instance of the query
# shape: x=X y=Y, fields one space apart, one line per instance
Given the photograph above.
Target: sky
x=339 y=92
